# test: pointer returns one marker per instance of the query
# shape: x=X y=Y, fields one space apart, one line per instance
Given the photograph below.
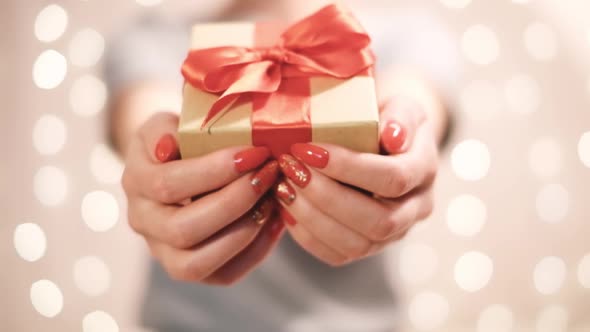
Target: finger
x=405 y=212
x=158 y=134
x=398 y=120
x=310 y=243
x=184 y=227
x=240 y=265
x=177 y=180
x=347 y=206
x=201 y=261
x=387 y=176
x=331 y=233
x=378 y=247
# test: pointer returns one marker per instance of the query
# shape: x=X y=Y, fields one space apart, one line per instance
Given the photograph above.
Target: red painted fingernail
x=276 y=229
x=312 y=155
x=393 y=136
x=287 y=217
x=294 y=170
x=249 y=159
x=265 y=177
x=285 y=192
x=166 y=149
x=262 y=211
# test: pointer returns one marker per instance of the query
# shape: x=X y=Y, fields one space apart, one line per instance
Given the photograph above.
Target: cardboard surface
x=343 y=112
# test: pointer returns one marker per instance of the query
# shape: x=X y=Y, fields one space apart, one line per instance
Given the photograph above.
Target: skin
x=338 y=224
x=212 y=240
x=209 y=239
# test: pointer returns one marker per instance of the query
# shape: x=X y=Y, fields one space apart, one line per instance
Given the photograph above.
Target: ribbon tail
x=219 y=106
x=263 y=77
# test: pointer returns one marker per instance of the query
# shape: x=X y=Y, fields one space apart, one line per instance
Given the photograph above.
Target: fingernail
x=294 y=170
x=265 y=177
x=285 y=192
x=166 y=149
x=287 y=217
x=276 y=229
x=261 y=211
x=312 y=155
x=249 y=159
x=393 y=136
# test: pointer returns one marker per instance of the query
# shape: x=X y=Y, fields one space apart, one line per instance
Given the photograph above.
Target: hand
x=222 y=234
x=331 y=218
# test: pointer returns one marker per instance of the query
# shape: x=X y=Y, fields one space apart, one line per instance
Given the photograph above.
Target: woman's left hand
x=322 y=198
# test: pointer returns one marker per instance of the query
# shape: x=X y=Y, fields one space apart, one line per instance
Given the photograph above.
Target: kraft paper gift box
x=341 y=111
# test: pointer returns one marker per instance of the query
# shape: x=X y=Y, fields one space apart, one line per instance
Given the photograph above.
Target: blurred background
x=507 y=248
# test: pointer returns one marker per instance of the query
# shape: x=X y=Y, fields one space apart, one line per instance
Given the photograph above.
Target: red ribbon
x=276 y=79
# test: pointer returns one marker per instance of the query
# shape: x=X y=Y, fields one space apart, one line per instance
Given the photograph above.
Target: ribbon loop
x=330 y=42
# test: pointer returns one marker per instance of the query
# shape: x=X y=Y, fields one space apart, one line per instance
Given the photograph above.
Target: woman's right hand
x=218 y=237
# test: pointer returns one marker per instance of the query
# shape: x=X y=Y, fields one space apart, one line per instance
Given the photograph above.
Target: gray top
x=291 y=291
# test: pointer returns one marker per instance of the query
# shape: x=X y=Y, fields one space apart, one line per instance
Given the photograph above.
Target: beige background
x=535 y=169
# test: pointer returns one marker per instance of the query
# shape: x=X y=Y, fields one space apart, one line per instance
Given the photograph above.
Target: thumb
x=399 y=118
x=158 y=135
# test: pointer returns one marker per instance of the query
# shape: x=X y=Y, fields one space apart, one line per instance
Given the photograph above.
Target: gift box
x=267 y=84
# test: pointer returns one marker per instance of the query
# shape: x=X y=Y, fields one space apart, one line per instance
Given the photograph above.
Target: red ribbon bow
x=330 y=42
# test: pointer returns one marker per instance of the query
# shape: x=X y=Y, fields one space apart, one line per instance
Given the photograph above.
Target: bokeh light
x=584 y=149
x=49 y=134
x=99 y=321
x=46 y=298
x=480 y=45
x=51 y=23
x=86 y=48
x=91 y=275
x=88 y=95
x=428 y=311
x=553 y=318
x=30 y=241
x=496 y=83
x=100 y=211
x=466 y=215
x=473 y=271
x=470 y=160
x=105 y=165
x=495 y=318
x=50 y=185
x=549 y=275
x=584 y=271
x=49 y=70
x=552 y=203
